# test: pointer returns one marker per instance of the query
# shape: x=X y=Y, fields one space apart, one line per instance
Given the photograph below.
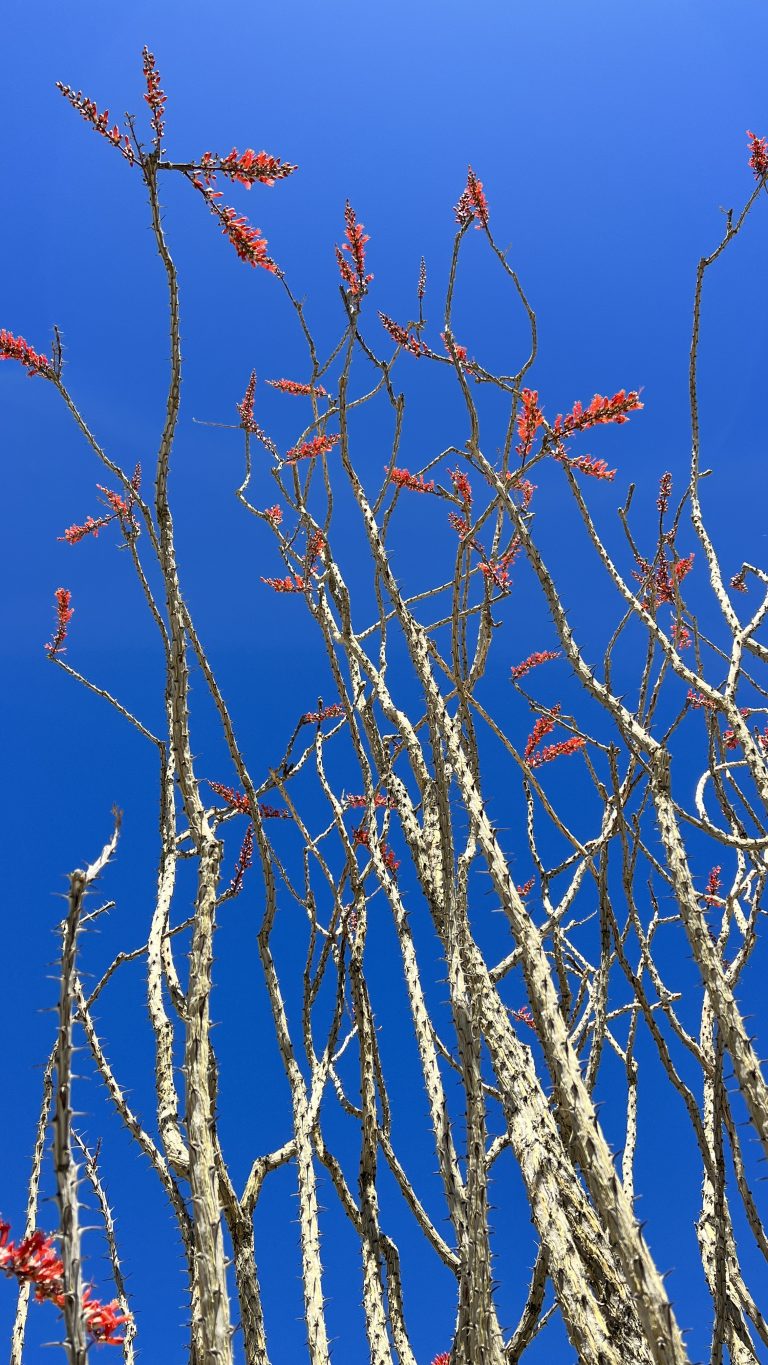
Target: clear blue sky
x=608 y=137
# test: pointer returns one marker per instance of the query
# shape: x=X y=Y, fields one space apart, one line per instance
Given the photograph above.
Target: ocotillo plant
x=407 y=804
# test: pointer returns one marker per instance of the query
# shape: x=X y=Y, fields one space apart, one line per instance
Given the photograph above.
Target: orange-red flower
x=290 y=386
x=599 y=411
x=402 y=478
x=352 y=270
x=64 y=614
x=473 y=203
x=758 y=155
x=16 y=348
x=309 y=450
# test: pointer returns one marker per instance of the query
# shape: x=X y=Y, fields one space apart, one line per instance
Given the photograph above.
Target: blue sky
x=609 y=137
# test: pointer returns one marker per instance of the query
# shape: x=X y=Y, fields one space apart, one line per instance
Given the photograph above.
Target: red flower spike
x=402 y=337
x=235 y=800
x=665 y=490
x=16 y=348
x=379 y=801
x=565 y=746
x=273 y=514
x=527 y=888
x=459 y=352
x=462 y=485
x=248 y=242
x=64 y=614
x=738 y=582
x=523 y=1016
x=600 y=411
x=444 y=1358
x=325 y=713
x=543 y=726
x=681 y=636
x=361 y=838
x=249 y=167
x=246 y=407
x=36 y=1262
x=353 y=270
x=698 y=702
x=74 y=534
x=712 y=894
x=154 y=96
x=758 y=155
x=244 y=860
x=100 y=122
x=587 y=464
x=290 y=386
x=402 y=478
x=473 y=203
x=541 y=657
x=529 y=419
x=459 y=524
x=287 y=584
x=422 y=287
x=309 y=450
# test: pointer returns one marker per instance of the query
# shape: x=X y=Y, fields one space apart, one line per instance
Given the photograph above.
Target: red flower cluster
x=459 y=352
x=35 y=1261
x=738 y=582
x=290 y=386
x=665 y=490
x=600 y=411
x=543 y=726
x=730 y=739
x=309 y=450
x=565 y=746
x=248 y=242
x=361 y=838
x=64 y=614
x=699 y=702
x=473 y=203
x=274 y=514
x=541 y=657
x=497 y=570
x=402 y=337
x=16 y=348
x=239 y=801
x=444 y=1358
x=462 y=485
x=154 y=96
x=402 y=478
x=758 y=155
x=379 y=800
x=712 y=894
x=587 y=464
x=524 y=487
x=523 y=1016
x=315 y=548
x=353 y=270
x=422 y=286
x=244 y=860
x=290 y=583
x=246 y=407
x=325 y=713
x=121 y=510
x=100 y=122
x=459 y=524
x=526 y=888
x=681 y=636
x=529 y=419
x=235 y=800
x=248 y=167
x=660 y=582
